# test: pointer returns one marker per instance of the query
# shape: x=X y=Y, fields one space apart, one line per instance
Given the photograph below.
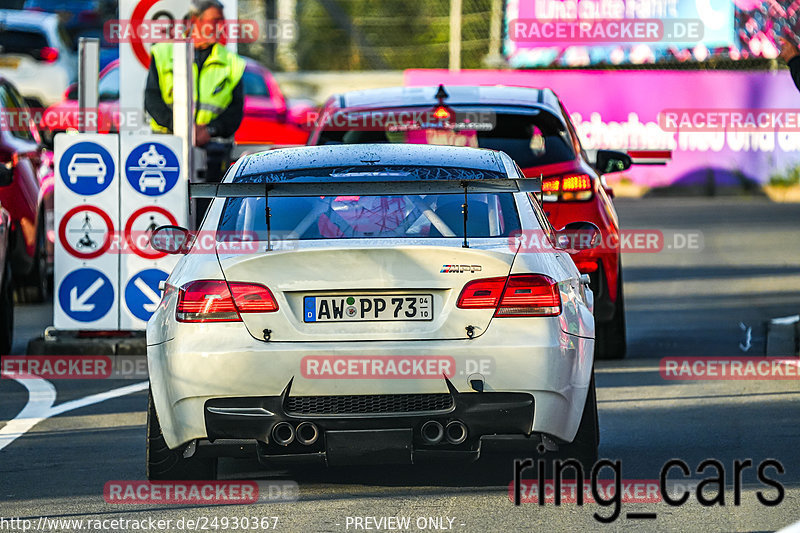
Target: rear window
x=21 y=41
x=530 y=139
x=359 y=217
x=375 y=216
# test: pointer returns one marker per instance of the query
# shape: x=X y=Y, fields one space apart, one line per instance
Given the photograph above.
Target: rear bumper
x=362 y=439
x=206 y=364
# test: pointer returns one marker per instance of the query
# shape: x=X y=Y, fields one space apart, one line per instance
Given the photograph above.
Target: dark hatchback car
x=534 y=128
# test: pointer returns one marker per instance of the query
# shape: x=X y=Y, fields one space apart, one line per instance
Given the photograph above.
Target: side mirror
x=577 y=236
x=6 y=174
x=171 y=240
x=612 y=161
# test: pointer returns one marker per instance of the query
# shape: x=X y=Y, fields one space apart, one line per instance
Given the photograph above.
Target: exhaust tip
x=432 y=432
x=283 y=433
x=307 y=433
x=456 y=432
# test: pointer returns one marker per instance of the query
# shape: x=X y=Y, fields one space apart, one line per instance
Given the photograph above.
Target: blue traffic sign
x=142 y=294
x=152 y=169
x=86 y=168
x=86 y=295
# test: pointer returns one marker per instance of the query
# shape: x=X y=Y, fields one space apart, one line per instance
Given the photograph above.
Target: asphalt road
x=679 y=303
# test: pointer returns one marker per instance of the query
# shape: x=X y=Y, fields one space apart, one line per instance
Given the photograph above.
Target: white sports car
x=365 y=304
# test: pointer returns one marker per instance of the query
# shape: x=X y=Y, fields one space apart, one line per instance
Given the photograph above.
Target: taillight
x=206 y=301
x=252 y=298
x=48 y=54
x=530 y=295
x=481 y=294
x=572 y=187
x=516 y=296
x=217 y=301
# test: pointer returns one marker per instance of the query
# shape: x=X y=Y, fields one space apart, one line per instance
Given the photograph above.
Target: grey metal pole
x=88 y=76
x=183 y=105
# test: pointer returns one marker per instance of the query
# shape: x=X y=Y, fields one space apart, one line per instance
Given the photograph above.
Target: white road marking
x=42 y=395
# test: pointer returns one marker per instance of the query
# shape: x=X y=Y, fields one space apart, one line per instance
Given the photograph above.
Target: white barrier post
x=88 y=76
x=183 y=106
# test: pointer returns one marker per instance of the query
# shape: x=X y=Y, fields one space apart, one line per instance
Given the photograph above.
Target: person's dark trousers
x=218 y=159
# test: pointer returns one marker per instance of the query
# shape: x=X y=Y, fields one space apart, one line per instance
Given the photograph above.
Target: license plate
x=388 y=307
x=9 y=62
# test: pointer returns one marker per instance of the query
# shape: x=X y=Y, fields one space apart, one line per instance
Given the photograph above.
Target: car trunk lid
x=331 y=292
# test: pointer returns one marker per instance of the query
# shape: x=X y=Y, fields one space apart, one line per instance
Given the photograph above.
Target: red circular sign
x=100 y=250
x=129 y=228
x=137 y=18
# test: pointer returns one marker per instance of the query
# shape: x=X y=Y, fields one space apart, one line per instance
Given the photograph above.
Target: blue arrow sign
x=86 y=168
x=152 y=169
x=142 y=294
x=86 y=295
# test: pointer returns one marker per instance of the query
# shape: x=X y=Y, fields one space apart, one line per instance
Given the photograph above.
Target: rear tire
x=166 y=464
x=610 y=338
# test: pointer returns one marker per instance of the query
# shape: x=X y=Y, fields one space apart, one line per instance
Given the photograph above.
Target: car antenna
x=464 y=210
x=268 y=216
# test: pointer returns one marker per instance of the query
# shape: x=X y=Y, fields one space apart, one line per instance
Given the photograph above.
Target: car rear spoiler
x=361 y=188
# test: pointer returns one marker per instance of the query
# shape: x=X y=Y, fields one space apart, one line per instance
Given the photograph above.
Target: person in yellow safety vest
x=218 y=88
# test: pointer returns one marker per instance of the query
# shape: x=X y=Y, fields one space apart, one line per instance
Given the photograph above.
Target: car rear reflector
x=516 y=296
x=218 y=301
x=529 y=295
x=252 y=298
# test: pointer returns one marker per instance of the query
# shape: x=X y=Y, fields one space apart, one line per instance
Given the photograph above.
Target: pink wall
x=619 y=110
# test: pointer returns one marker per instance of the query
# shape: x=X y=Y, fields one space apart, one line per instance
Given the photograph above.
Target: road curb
x=66 y=343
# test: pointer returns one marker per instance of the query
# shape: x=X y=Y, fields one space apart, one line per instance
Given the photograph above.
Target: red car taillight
x=48 y=54
x=252 y=298
x=572 y=187
x=516 y=296
x=218 y=301
x=481 y=294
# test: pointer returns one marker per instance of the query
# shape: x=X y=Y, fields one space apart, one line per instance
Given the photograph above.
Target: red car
x=267 y=118
x=532 y=126
x=27 y=196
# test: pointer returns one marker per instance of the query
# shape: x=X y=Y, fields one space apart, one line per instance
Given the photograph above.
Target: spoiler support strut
x=464 y=211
